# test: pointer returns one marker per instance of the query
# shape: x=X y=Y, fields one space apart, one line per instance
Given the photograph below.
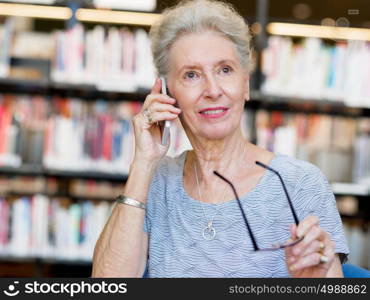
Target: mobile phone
x=167 y=124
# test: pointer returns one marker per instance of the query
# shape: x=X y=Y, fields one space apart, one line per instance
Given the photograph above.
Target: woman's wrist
x=142 y=164
x=139 y=179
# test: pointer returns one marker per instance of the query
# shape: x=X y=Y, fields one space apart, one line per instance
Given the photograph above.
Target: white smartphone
x=167 y=124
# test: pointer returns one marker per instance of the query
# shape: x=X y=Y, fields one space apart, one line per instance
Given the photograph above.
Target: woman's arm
x=122 y=248
x=336 y=268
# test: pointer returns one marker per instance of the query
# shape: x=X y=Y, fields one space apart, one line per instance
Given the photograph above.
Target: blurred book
x=92 y=189
x=26 y=185
x=357 y=235
x=347 y=205
x=32 y=44
x=46 y=2
x=361 y=170
x=6 y=37
x=22 y=126
x=320 y=139
x=44 y=227
x=116 y=59
x=313 y=69
x=72 y=134
x=140 y=5
x=343 y=188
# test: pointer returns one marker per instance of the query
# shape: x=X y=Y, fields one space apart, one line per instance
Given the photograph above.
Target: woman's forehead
x=202 y=49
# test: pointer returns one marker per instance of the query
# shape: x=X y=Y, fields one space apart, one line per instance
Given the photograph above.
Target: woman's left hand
x=314 y=255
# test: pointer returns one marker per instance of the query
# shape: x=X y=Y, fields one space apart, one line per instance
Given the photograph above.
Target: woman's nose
x=212 y=87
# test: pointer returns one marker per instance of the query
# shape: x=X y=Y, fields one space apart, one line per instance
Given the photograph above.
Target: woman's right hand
x=157 y=107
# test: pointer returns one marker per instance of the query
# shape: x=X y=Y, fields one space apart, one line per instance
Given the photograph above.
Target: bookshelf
x=36 y=267
x=40 y=171
x=50 y=85
x=258 y=99
x=83 y=91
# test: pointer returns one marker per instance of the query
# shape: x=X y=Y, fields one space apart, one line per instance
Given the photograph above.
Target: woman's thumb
x=293 y=233
x=293 y=230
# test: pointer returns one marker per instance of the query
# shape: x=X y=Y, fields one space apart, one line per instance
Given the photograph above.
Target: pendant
x=209 y=232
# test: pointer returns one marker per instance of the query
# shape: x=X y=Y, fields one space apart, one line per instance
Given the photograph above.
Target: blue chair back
x=352 y=271
x=349 y=271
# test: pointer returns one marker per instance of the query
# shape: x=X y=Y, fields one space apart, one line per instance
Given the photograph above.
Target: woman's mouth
x=216 y=112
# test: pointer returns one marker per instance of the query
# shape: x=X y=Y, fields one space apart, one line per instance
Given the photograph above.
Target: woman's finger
x=314 y=233
x=153 y=98
x=156 y=89
x=312 y=260
x=149 y=112
x=158 y=107
x=307 y=261
x=163 y=116
x=306 y=224
x=314 y=246
x=293 y=231
x=329 y=249
x=324 y=259
x=319 y=244
x=290 y=258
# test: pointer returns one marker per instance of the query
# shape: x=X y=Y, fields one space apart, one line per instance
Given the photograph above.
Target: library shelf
x=46 y=260
x=258 y=100
x=32 y=170
x=350 y=189
x=309 y=105
x=83 y=91
x=12 y=266
x=86 y=175
x=353 y=189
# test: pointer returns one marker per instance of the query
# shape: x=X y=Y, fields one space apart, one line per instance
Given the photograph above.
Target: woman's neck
x=221 y=155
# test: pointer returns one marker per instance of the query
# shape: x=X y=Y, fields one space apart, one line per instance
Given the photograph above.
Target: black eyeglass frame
x=296 y=220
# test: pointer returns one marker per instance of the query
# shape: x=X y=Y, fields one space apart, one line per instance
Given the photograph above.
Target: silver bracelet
x=129 y=201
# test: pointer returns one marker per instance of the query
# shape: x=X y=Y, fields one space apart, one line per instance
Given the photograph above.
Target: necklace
x=209 y=232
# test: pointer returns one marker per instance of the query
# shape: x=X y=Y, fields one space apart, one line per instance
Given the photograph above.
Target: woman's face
x=209 y=84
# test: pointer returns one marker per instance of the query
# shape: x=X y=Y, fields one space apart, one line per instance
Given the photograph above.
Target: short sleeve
x=155 y=193
x=149 y=204
x=147 y=224
x=319 y=200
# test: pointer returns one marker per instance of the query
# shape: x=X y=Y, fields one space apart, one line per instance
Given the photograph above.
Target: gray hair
x=197 y=16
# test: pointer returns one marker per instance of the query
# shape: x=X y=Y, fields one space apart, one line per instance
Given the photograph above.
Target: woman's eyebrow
x=223 y=61
x=194 y=66
x=198 y=66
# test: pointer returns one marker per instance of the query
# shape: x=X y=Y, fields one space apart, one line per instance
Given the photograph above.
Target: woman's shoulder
x=298 y=171
x=169 y=167
x=167 y=177
x=291 y=163
x=290 y=168
x=170 y=163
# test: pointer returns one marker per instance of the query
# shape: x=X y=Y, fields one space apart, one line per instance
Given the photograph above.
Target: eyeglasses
x=275 y=246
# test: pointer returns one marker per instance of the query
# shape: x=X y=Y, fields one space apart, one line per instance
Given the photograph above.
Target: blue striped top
x=174 y=222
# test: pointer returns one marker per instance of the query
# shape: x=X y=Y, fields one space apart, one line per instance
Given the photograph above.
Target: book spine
x=314 y=70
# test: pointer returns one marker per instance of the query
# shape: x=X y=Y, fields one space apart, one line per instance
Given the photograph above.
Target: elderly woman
x=177 y=218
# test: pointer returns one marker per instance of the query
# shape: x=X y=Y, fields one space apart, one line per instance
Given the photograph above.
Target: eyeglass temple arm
x=256 y=248
x=284 y=187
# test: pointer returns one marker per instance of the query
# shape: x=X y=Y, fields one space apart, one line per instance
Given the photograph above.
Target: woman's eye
x=190 y=75
x=226 y=69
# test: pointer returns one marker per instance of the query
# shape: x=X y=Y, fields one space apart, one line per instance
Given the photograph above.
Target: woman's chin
x=215 y=134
